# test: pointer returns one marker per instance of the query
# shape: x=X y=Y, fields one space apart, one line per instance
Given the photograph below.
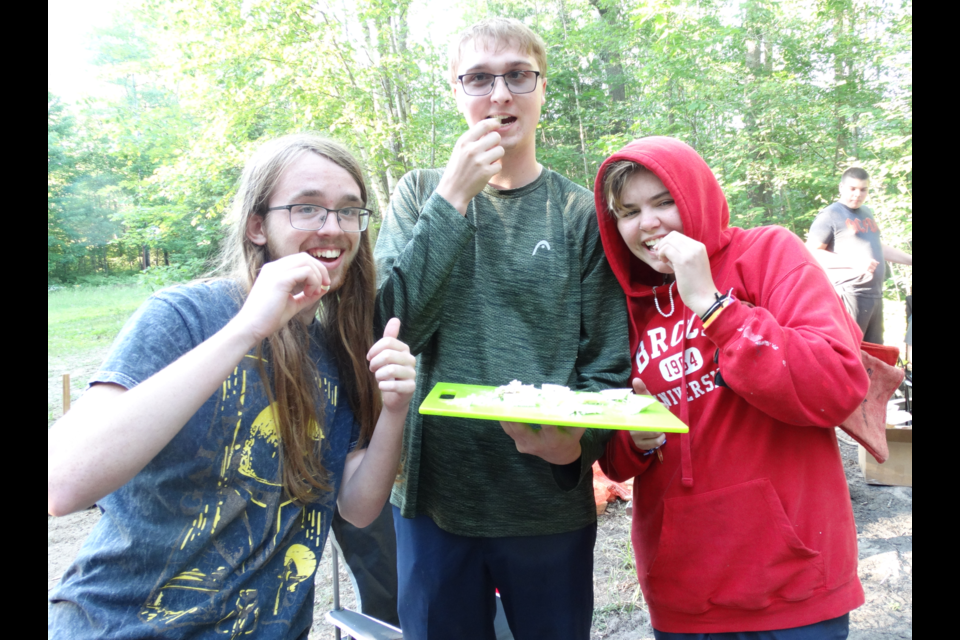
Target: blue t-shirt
x=204 y=542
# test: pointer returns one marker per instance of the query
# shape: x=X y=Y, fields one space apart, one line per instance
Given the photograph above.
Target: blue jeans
x=447 y=583
x=833 y=629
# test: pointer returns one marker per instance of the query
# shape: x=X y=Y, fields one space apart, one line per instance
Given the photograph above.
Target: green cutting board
x=655 y=417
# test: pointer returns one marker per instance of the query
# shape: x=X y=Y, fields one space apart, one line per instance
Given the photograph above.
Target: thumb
x=392 y=330
x=639 y=388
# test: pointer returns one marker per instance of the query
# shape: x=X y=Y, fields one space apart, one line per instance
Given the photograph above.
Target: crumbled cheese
x=557 y=400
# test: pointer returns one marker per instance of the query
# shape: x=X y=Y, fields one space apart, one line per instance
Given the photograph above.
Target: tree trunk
x=843 y=77
x=378 y=182
x=146 y=257
x=613 y=64
x=757 y=69
x=576 y=95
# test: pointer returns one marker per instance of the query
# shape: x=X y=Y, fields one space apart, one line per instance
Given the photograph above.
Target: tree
x=778 y=97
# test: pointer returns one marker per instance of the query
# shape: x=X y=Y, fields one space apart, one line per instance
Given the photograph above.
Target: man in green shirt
x=495 y=268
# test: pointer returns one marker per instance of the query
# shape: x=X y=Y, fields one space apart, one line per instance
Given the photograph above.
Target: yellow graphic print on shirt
x=243 y=524
x=298 y=566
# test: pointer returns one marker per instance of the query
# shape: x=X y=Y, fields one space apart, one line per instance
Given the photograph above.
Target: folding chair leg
x=336 y=584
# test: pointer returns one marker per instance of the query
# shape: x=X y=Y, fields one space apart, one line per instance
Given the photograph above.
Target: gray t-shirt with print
x=204 y=542
x=851 y=233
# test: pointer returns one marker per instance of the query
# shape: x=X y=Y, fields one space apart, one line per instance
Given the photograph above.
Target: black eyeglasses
x=481 y=84
x=311 y=217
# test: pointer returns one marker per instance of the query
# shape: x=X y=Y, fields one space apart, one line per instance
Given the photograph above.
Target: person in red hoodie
x=744 y=524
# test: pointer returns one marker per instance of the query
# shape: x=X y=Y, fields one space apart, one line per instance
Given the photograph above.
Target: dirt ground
x=80 y=367
x=884 y=518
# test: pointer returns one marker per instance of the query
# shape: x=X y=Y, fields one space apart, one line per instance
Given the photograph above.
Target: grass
x=81 y=319
x=81 y=324
x=894 y=323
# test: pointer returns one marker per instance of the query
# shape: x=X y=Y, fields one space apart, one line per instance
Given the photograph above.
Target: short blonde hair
x=499 y=33
x=615 y=179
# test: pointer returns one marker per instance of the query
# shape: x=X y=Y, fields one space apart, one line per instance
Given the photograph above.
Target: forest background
x=778 y=97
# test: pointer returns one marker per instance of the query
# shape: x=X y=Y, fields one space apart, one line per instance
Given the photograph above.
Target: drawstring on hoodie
x=656 y=302
x=686 y=452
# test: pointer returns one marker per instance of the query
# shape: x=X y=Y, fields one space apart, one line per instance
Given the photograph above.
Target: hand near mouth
x=283 y=289
x=475 y=159
x=691 y=265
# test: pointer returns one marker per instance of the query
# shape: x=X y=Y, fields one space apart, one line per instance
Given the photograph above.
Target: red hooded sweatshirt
x=746 y=524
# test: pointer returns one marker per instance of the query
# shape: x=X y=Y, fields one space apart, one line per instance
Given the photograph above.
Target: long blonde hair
x=346 y=317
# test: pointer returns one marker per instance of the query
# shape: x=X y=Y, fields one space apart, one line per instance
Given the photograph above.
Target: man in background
x=845 y=239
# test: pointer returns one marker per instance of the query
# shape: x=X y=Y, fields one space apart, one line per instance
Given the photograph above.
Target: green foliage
x=779 y=98
x=161 y=276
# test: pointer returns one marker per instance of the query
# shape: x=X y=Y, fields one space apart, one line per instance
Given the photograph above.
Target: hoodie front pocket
x=734 y=547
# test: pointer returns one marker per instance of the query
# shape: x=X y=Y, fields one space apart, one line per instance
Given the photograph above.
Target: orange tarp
x=606 y=490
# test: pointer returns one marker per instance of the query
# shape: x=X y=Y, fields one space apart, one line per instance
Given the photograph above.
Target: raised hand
x=394 y=367
x=645 y=440
x=690 y=263
x=475 y=159
x=284 y=288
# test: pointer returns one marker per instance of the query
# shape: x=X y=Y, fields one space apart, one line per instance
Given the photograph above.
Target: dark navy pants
x=447 y=583
x=833 y=629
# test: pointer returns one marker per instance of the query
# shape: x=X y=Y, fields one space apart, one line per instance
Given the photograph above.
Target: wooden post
x=66 y=392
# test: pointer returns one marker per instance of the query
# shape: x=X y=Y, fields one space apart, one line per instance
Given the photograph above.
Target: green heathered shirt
x=518 y=289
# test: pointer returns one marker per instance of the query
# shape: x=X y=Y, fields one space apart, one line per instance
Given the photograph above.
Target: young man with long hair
x=229 y=416
x=495 y=268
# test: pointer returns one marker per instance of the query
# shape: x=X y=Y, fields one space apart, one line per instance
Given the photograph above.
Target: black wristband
x=721 y=300
x=713 y=307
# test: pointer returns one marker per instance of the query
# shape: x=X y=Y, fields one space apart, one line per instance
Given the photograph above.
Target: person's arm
x=629 y=453
x=622 y=459
x=369 y=473
x=603 y=355
x=424 y=232
x=795 y=356
x=112 y=433
x=892 y=254
x=830 y=260
x=819 y=239
x=418 y=246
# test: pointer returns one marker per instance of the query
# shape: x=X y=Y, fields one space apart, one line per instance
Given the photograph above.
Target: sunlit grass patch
x=894 y=323
x=84 y=318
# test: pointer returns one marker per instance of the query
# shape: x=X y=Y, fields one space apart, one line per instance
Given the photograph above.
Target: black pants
x=371 y=558
x=867 y=313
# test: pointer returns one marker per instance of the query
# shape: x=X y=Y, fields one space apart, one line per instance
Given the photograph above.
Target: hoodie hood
x=700 y=201
x=705 y=216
